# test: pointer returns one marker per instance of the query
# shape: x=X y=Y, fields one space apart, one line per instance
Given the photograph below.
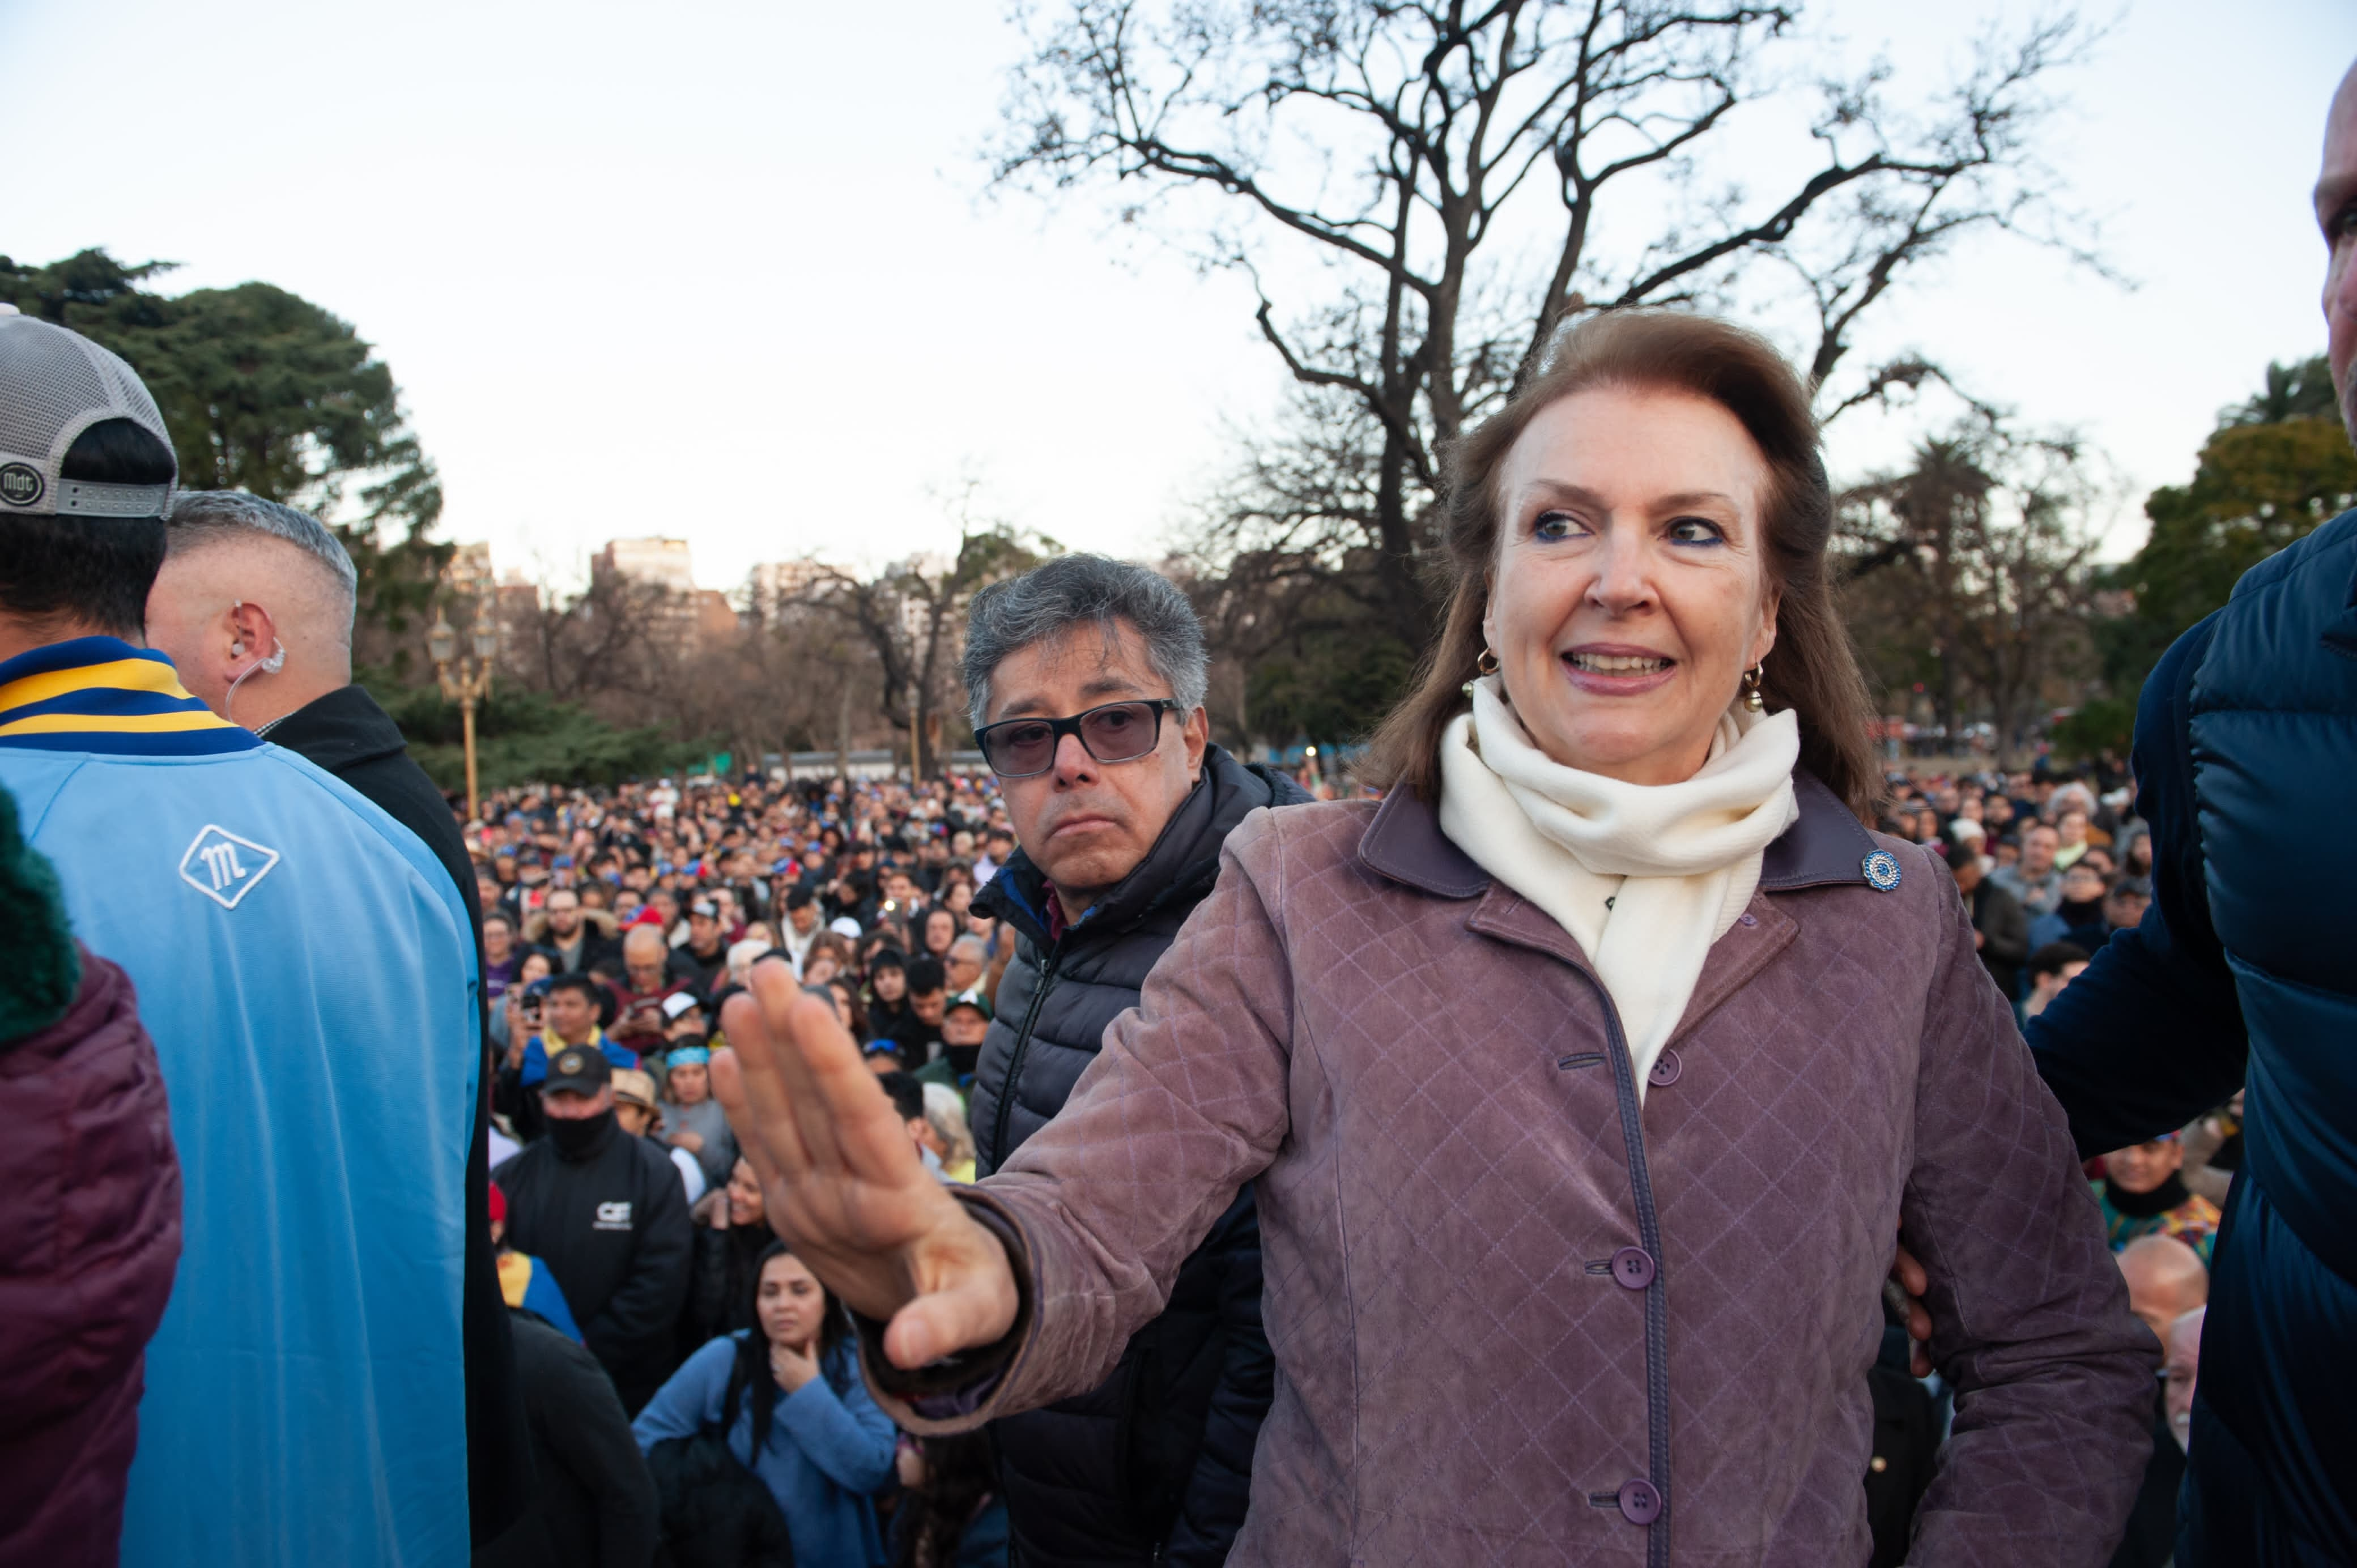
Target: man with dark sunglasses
x=1085 y=680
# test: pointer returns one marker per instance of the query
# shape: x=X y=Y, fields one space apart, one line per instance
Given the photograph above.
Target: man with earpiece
x=254 y=606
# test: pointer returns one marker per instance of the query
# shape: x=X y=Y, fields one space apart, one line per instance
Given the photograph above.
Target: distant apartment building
x=664 y=562
x=469 y=569
x=777 y=583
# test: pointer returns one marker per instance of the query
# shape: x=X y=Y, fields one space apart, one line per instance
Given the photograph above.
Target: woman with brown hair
x=1585 y=1079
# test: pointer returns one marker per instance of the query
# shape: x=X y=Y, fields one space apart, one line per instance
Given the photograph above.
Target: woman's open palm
x=846 y=1187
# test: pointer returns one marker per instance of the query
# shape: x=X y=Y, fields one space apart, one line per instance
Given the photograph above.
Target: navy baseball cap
x=580 y=1069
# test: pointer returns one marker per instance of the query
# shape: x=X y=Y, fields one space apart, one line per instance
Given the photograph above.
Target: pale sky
x=728 y=271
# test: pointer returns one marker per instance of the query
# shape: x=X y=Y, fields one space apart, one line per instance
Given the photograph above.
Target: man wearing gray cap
x=305 y=1391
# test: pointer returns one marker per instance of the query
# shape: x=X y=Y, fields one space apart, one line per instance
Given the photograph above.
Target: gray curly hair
x=1084 y=590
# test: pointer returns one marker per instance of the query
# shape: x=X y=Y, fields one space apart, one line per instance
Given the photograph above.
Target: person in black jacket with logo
x=1086 y=682
x=608 y=1214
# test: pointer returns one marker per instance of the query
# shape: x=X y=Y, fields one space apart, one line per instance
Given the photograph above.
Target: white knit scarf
x=1644 y=877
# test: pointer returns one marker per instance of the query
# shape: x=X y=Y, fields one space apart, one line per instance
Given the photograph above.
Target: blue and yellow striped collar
x=99 y=693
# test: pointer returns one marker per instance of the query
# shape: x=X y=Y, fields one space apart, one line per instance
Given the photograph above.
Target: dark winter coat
x=613 y=1228
x=346 y=734
x=593 y=1503
x=2245 y=743
x=1158 y=1457
x=720 y=1283
x=1521 y=1316
x=716 y=1512
x=90 y=1235
x=2004 y=926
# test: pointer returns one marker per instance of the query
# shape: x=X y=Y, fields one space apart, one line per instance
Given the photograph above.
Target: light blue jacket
x=305 y=967
x=828 y=1453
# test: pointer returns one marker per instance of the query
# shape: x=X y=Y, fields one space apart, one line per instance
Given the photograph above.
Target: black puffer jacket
x=1155 y=1465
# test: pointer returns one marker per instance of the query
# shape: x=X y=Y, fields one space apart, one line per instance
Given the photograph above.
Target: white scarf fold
x=1644 y=877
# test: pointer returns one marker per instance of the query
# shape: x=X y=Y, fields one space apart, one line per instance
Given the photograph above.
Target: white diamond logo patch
x=223 y=866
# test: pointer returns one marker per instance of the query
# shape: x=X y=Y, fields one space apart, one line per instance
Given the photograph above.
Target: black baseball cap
x=579 y=1068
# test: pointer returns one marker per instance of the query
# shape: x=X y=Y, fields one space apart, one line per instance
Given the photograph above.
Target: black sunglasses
x=1117 y=732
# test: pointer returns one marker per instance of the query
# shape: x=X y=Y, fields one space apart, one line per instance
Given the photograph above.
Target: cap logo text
x=20 y=484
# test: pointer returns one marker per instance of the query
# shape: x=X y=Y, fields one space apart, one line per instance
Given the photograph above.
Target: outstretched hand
x=845 y=1186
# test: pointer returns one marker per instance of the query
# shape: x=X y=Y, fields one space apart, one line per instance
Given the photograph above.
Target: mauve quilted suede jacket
x=1517 y=1317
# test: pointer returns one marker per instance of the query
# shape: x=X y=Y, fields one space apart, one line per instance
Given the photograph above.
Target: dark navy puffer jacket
x=1156 y=1465
x=2241 y=975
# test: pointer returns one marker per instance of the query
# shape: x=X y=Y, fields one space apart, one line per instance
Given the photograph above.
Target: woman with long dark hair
x=788 y=1396
x=1585 y=1082
x=732 y=1235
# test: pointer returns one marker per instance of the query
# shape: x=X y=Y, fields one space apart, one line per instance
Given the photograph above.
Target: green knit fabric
x=41 y=970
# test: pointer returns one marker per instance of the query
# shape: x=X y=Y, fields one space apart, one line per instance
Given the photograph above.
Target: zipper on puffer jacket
x=1022 y=1048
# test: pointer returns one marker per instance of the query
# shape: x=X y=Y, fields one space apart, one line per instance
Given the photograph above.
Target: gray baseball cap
x=55 y=384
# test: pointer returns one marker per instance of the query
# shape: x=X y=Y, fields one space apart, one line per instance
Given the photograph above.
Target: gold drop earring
x=1485 y=665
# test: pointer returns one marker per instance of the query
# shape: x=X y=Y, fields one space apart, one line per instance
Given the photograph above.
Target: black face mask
x=576 y=1139
x=2082 y=911
x=2144 y=1205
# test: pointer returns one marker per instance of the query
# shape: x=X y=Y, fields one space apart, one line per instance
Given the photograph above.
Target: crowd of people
x=617 y=923
x=1628 y=1121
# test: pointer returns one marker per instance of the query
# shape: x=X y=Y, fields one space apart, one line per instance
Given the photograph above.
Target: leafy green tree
x=2278 y=465
x=263 y=391
x=1328 y=687
x=2096 y=727
x=2303 y=391
x=525 y=737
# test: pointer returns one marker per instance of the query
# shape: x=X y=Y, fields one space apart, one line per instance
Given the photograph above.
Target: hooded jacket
x=1158 y=1457
x=611 y=1224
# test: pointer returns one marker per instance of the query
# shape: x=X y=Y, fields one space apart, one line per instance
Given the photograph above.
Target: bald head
x=644 y=950
x=2336 y=216
x=2165 y=1279
x=243 y=581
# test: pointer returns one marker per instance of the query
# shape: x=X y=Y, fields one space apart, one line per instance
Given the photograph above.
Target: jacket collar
x=340 y=730
x=102 y=695
x=1183 y=862
x=1824 y=847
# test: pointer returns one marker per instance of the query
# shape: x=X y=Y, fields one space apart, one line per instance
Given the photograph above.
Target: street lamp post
x=470 y=683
